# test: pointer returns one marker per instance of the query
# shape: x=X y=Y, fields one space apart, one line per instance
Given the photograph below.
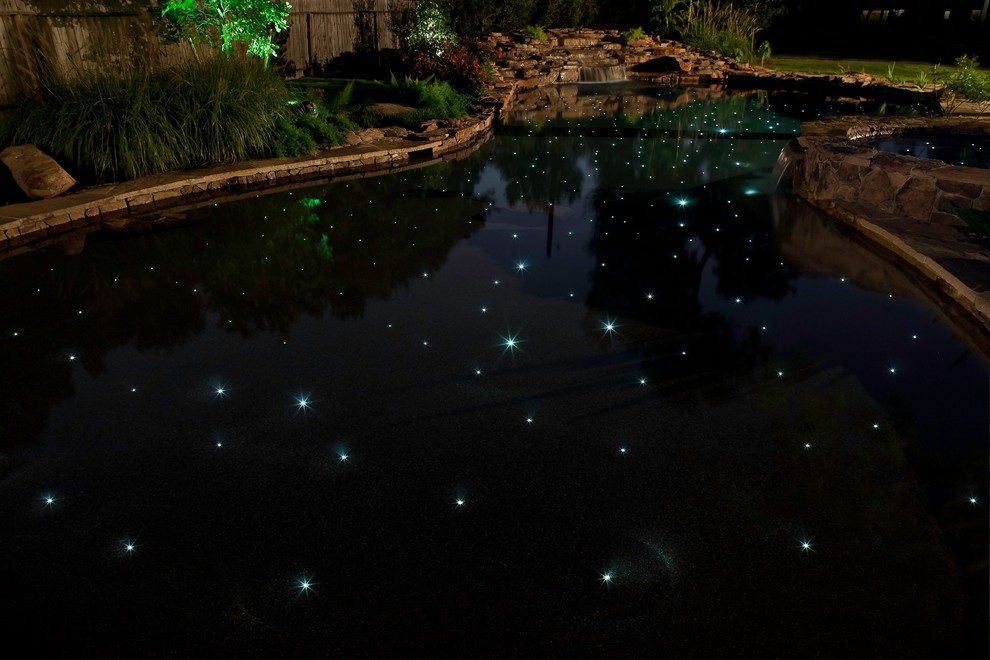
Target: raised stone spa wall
x=835 y=164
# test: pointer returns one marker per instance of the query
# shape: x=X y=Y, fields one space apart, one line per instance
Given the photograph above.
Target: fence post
x=309 y=46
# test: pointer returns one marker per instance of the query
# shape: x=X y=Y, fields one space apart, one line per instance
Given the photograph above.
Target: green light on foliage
x=324 y=249
x=221 y=23
x=310 y=202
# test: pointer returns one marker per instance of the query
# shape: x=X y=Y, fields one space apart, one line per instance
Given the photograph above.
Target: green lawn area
x=902 y=70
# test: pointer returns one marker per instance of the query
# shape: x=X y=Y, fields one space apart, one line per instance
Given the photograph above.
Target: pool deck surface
x=959 y=269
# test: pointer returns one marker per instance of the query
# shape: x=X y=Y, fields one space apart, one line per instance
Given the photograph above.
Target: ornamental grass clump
x=114 y=126
x=723 y=28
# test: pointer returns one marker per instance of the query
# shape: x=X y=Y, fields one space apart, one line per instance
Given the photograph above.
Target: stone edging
x=899 y=201
x=33 y=224
x=974 y=303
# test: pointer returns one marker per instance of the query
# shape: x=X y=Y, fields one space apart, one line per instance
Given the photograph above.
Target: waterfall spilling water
x=784 y=161
x=602 y=73
x=777 y=200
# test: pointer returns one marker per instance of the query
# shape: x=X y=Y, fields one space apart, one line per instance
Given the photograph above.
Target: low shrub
x=634 y=34
x=763 y=51
x=967 y=83
x=293 y=137
x=534 y=32
x=976 y=225
x=438 y=99
x=466 y=66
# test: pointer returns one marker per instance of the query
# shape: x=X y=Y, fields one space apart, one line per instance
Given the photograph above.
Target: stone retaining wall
x=835 y=164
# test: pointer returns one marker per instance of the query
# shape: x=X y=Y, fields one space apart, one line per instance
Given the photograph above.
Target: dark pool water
x=576 y=394
x=956 y=150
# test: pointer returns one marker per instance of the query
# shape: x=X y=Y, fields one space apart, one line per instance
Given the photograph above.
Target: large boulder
x=36 y=173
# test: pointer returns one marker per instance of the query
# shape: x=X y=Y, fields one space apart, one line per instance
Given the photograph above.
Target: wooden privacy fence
x=81 y=35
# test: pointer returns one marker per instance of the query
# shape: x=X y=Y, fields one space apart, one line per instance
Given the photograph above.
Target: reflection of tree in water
x=639 y=142
x=537 y=171
x=259 y=265
x=656 y=254
x=354 y=245
x=643 y=150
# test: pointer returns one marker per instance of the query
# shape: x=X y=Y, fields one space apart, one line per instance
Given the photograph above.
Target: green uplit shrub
x=221 y=23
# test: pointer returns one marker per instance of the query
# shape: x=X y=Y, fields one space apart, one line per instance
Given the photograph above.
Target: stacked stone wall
x=837 y=165
x=560 y=57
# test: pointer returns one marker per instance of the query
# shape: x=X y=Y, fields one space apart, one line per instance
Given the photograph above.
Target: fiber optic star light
x=304 y=585
x=609 y=326
x=510 y=342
